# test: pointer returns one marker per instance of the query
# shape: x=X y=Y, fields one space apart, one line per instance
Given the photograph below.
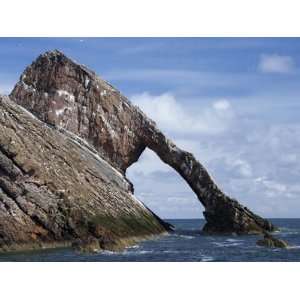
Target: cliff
x=55 y=190
x=68 y=96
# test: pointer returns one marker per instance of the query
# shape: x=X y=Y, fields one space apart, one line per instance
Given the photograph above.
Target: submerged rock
x=272 y=242
x=71 y=97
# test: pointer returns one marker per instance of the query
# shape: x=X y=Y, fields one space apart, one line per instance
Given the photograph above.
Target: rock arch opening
x=160 y=188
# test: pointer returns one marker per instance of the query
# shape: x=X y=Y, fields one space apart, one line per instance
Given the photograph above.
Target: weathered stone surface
x=68 y=95
x=55 y=190
x=272 y=242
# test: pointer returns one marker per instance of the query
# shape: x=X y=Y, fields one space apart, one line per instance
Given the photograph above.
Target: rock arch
x=73 y=98
x=161 y=188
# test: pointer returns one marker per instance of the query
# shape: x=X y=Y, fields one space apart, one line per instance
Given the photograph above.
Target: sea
x=186 y=244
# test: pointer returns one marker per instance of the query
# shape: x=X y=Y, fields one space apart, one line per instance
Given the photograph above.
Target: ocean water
x=187 y=243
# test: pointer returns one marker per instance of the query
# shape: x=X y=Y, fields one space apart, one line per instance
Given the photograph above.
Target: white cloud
x=272 y=186
x=148 y=163
x=243 y=167
x=274 y=63
x=174 y=118
x=221 y=105
x=253 y=158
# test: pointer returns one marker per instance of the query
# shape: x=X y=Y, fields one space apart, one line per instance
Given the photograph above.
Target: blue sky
x=233 y=102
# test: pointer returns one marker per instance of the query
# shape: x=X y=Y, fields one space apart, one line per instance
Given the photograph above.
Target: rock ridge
x=55 y=191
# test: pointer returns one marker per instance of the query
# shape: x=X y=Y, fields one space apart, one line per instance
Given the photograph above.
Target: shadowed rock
x=271 y=242
x=71 y=97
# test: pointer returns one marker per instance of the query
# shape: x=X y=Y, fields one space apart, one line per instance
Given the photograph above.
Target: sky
x=233 y=102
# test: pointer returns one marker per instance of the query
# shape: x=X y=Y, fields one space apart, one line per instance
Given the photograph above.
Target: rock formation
x=74 y=99
x=271 y=242
x=56 y=190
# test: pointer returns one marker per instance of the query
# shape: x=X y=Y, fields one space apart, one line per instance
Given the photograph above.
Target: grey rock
x=55 y=190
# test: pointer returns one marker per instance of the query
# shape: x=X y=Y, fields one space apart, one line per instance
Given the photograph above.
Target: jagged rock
x=55 y=189
x=71 y=97
x=272 y=242
x=88 y=245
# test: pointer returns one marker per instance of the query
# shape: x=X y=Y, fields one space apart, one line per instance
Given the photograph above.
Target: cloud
x=272 y=186
x=242 y=167
x=274 y=63
x=252 y=157
x=148 y=164
x=221 y=105
x=175 y=118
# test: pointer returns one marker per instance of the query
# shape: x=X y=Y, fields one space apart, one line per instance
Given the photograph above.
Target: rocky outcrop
x=272 y=242
x=69 y=96
x=55 y=190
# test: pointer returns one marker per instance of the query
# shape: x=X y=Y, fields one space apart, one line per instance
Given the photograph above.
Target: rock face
x=271 y=242
x=55 y=189
x=67 y=95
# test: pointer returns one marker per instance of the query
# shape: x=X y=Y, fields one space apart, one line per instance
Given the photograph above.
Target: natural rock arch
x=71 y=97
x=159 y=187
